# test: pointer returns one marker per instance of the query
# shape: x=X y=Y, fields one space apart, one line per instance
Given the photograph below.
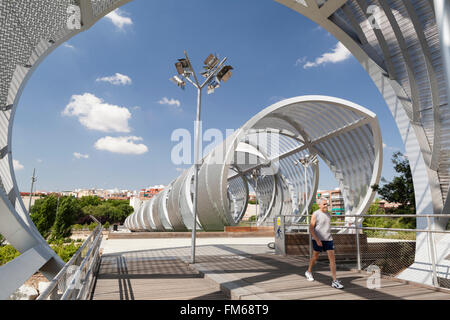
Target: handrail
x=380 y=215
x=61 y=278
x=72 y=286
x=382 y=229
x=383 y=216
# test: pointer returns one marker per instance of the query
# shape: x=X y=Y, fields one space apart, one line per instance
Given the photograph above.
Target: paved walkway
x=161 y=270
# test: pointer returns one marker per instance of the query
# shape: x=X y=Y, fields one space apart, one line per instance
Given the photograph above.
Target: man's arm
x=312 y=224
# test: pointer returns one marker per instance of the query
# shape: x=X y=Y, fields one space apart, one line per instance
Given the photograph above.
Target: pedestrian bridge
x=403 y=46
x=237 y=269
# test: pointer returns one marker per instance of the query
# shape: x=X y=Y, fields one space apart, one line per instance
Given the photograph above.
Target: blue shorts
x=326 y=245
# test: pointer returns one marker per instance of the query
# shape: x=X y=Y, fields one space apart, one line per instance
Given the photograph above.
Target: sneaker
x=309 y=276
x=337 y=284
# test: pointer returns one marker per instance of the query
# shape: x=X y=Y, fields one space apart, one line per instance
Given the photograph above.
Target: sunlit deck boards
x=129 y=277
x=165 y=274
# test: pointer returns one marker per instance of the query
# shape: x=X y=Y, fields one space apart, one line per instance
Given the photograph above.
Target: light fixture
x=182 y=67
x=212 y=82
x=211 y=62
x=213 y=85
x=178 y=81
x=225 y=73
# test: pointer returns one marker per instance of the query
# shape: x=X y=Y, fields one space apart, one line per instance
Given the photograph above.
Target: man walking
x=320 y=229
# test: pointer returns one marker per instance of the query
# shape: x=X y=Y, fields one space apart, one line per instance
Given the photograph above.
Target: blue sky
x=276 y=53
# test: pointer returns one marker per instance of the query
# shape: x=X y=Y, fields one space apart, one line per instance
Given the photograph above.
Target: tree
x=374 y=209
x=68 y=212
x=401 y=188
x=43 y=214
x=109 y=211
x=314 y=207
x=89 y=201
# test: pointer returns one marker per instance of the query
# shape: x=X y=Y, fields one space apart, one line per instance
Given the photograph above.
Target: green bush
x=64 y=248
x=7 y=253
x=106 y=226
x=92 y=226
x=65 y=251
x=252 y=218
x=77 y=227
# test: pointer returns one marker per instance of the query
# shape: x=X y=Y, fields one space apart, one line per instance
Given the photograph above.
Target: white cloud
x=17 y=165
x=118 y=19
x=338 y=54
x=394 y=149
x=117 y=79
x=122 y=145
x=179 y=169
x=300 y=61
x=95 y=114
x=80 y=155
x=39 y=160
x=67 y=45
x=170 y=102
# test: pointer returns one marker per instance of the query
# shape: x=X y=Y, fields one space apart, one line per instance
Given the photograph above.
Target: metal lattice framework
x=344 y=135
x=408 y=58
x=404 y=46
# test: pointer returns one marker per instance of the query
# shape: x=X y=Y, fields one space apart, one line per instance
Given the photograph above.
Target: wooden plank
x=143 y=275
x=135 y=278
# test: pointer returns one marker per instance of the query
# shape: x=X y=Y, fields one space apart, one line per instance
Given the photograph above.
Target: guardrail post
x=433 y=258
x=309 y=235
x=280 y=235
x=358 y=247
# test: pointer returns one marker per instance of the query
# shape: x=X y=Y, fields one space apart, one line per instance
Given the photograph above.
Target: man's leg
x=313 y=260
x=332 y=259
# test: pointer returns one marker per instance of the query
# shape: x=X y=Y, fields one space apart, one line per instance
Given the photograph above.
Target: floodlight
x=211 y=61
x=178 y=81
x=213 y=85
x=179 y=67
x=205 y=74
x=225 y=73
x=183 y=67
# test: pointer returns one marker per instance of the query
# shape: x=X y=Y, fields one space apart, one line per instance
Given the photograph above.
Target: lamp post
x=215 y=73
x=256 y=173
x=306 y=161
x=33 y=180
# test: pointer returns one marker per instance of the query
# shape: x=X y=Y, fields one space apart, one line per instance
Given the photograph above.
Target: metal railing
x=391 y=249
x=75 y=280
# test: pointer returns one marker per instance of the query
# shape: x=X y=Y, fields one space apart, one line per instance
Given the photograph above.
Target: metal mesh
x=392 y=250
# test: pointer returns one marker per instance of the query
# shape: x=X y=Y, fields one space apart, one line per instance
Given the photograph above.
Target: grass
x=398 y=235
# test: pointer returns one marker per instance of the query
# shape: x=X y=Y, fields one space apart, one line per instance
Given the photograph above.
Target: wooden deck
x=236 y=272
x=127 y=277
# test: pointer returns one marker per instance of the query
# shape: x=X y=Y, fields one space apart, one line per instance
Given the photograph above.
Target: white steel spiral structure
x=408 y=58
x=344 y=135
